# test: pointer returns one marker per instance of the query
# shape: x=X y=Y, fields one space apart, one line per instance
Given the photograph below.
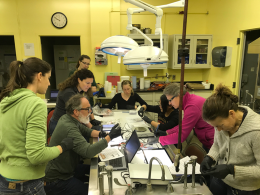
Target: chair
x=48 y=121
x=196 y=150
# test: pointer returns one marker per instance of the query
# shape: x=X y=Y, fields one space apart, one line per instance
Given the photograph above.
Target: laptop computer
x=53 y=95
x=132 y=146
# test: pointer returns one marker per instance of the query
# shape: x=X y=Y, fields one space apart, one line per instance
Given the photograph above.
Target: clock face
x=59 y=20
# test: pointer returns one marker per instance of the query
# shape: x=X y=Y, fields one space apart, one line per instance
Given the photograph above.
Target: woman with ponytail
x=236 y=147
x=23 y=118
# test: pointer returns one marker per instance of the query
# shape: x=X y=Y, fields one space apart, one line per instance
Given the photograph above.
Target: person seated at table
x=192 y=108
x=60 y=177
x=168 y=117
x=235 y=153
x=125 y=100
x=80 y=82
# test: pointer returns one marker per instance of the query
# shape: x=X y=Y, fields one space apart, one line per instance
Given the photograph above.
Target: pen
x=145 y=156
x=115 y=145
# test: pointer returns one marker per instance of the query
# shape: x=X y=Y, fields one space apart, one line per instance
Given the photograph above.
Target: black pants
x=218 y=187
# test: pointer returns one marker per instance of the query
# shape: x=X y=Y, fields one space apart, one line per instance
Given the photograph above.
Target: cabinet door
x=177 y=45
x=202 y=51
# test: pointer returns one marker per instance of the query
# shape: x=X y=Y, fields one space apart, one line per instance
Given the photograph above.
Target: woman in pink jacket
x=192 y=107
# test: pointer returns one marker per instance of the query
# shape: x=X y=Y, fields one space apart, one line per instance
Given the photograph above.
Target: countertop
x=146 y=90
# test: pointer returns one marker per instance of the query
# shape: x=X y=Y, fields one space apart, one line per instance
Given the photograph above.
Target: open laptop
x=132 y=146
x=53 y=95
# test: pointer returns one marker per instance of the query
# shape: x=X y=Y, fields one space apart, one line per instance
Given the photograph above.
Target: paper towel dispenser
x=221 y=56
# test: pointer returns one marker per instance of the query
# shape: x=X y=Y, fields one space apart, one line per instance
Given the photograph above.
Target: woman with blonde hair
x=126 y=99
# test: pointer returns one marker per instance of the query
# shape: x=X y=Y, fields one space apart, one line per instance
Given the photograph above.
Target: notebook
x=53 y=95
x=132 y=146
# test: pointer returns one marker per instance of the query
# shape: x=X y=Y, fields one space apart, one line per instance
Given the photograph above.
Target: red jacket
x=192 y=107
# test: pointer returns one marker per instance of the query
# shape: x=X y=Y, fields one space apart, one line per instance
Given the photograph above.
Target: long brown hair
x=23 y=73
x=219 y=103
x=73 y=80
x=127 y=82
x=82 y=57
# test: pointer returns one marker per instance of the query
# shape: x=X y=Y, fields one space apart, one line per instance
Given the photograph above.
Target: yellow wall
x=226 y=21
x=94 y=21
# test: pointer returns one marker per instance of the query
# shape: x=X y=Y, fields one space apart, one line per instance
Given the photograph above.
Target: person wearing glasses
x=84 y=63
x=80 y=82
x=168 y=117
x=125 y=100
x=234 y=158
x=192 y=108
x=65 y=175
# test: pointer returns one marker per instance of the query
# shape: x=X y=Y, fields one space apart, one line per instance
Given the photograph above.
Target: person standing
x=84 y=63
x=23 y=118
x=234 y=158
x=192 y=108
x=80 y=82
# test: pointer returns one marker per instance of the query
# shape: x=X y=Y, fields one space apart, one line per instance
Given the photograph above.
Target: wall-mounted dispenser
x=221 y=56
x=100 y=57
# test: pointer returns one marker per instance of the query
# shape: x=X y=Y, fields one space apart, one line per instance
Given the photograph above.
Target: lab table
x=126 y=119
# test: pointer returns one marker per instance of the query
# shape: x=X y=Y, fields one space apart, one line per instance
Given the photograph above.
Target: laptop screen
x=132 y=146
x=54 y=94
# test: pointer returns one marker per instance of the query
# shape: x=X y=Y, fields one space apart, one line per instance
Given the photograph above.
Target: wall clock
x=59 y=20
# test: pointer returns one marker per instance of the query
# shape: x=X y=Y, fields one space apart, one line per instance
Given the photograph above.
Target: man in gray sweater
x=236 y=146
x=60 y=173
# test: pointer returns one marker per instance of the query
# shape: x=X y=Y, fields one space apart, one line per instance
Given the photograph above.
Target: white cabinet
x=199 y=46
x=156 y=42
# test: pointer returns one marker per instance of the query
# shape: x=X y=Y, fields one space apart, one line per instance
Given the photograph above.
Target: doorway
x=249 y=72
x=62 y=53
x=7 y=55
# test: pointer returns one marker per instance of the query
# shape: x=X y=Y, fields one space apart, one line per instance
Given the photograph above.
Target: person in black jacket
x=168 y=117
x=125 y=100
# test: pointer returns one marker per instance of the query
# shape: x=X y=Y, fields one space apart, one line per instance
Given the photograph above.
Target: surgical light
x=118 y=45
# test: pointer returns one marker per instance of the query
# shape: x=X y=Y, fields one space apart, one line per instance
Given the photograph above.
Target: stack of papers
x=109 y=154
x=181 y=166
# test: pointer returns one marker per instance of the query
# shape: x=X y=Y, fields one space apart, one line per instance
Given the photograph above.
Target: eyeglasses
x=172 y=98
x=88 y=109
x=85 y=63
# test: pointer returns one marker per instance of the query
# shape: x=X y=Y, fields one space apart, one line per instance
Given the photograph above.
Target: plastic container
x=147 y=84
x=122 y=78
x=206 y=85
x=108 y=94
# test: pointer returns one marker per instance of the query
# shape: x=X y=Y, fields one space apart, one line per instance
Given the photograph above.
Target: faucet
x=129 y=186
x=101 y=177
x=105 y=170
x=149 y=185
x=252 y=98
x=193 y=162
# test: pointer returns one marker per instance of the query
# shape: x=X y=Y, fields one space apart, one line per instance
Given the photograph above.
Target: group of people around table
x=229 y=132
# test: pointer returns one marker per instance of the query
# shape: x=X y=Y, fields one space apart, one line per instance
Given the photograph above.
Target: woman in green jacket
x=23 y=117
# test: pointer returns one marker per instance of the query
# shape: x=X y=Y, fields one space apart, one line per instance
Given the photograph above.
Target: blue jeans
x=218 y=187
x=32 y=187
x=72 y=186
x=52 y=125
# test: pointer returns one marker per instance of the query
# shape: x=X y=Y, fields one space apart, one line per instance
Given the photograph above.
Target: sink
x=178 y=190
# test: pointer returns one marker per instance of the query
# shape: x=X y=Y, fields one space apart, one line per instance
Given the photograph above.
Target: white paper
x=109 y=154
x=160 y=154
x=29 y=49
x=181 y=172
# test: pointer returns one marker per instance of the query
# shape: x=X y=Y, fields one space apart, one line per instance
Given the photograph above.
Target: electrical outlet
x=173 y=77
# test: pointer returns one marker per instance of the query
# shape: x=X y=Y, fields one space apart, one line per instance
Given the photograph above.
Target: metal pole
x=182 y=78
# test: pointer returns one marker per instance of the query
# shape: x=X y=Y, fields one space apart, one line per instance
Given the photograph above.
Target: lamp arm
x=180 y=3
x=151 y=42
x=143 y=5
x=161 y=45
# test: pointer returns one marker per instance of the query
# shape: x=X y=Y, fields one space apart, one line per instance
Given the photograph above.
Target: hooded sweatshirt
x=242 y=149
x=23 y=151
